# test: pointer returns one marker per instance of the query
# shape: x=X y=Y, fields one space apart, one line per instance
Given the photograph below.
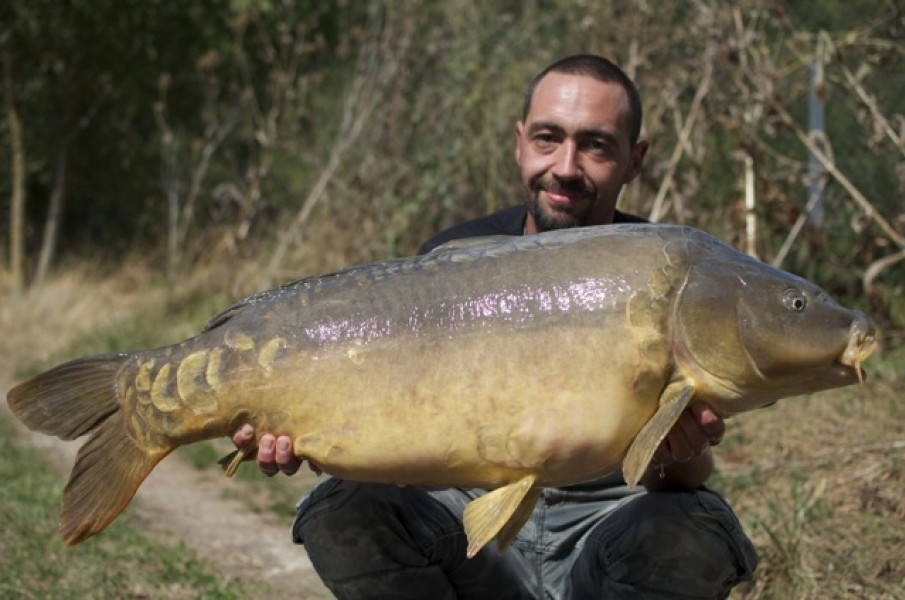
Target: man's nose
x=566 y=161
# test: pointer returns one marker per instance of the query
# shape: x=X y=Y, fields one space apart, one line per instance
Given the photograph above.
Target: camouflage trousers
x=385 y=541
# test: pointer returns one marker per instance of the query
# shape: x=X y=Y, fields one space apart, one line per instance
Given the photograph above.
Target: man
x=577 y=145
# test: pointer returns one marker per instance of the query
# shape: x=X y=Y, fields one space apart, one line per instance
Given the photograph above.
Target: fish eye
x=794 y=300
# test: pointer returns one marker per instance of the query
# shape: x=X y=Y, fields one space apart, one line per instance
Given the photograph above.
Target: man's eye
x=544 y=141
x=597 y=146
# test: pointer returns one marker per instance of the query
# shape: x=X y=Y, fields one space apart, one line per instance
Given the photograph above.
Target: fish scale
x=505 y=363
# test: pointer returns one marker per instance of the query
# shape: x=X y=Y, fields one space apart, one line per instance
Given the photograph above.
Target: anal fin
x=231 y=461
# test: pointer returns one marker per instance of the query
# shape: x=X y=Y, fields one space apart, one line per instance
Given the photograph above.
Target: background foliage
x=308 y=134
x=200 y=151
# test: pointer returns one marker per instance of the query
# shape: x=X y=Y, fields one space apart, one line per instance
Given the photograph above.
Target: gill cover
x=750 y=324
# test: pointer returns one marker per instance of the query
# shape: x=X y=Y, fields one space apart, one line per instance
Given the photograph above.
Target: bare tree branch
x=175 y=168
x=678 y=150
x=878 y=266
x=831 y=168
x=871 y=103
x=378 y=61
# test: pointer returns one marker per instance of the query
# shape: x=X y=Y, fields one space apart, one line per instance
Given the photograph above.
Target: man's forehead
x=565 y=96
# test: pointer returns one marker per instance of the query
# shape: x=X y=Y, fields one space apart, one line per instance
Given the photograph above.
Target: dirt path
x=178 y=501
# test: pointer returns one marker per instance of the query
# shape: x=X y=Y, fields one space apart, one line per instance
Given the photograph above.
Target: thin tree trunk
x=169 y=178
x=17 y=201
x=54 y=216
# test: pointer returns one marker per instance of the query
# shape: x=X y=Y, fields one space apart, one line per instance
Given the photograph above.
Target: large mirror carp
x=502 y=363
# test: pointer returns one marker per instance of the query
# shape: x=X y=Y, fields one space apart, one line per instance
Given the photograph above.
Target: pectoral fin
x=501 y=512
x=674 y=400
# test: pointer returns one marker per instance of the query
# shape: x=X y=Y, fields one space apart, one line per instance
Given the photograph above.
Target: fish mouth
x=862 y=343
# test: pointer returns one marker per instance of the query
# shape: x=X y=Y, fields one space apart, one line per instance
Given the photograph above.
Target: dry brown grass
x=819 y=483
x=83 y=301
x=41 y=323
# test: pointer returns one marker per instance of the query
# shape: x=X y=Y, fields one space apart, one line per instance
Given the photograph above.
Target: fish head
x=755 y=334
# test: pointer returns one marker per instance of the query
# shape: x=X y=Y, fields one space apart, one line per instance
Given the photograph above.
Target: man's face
x=574 y=152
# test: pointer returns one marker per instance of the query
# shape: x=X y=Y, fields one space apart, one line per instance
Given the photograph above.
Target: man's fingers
x=695 y=430
x=243 y=436
x=285 y=458
x=663 y=453
x=682 y=440
x=267 y=455
x=709 y=422
x=273 y=454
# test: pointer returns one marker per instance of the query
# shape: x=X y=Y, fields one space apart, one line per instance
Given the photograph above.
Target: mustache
x=570 y=187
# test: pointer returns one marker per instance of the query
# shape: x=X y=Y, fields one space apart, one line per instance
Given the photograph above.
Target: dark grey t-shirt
x=507 y=221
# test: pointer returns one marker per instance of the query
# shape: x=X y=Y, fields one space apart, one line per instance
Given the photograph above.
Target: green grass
x=122 y=563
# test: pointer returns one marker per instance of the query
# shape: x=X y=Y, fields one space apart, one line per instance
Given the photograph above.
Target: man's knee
x=680 y=545
x=360 y=534
x=354 y=523
x=370 y=540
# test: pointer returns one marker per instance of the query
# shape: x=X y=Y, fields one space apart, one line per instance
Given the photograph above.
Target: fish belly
x=562 y=404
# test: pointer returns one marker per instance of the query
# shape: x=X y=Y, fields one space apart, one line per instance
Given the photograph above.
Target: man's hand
x=683 y=460
x=274 y=453
x=697 y=429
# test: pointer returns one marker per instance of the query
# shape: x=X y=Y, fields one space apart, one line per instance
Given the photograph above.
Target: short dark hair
x=601 y=69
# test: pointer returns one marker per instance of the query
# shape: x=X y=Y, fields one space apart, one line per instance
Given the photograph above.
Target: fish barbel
x=502 y=363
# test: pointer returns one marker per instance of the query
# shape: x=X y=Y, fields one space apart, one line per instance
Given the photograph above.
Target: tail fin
x=69 y=401
x=107 y=472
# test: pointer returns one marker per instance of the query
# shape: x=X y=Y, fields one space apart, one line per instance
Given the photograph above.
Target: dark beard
x=550 y=220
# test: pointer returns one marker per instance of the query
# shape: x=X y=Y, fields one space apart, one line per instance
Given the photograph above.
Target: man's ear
x=639 y=151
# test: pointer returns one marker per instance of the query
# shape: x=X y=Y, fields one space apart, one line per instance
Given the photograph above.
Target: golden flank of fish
x=503 y=363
